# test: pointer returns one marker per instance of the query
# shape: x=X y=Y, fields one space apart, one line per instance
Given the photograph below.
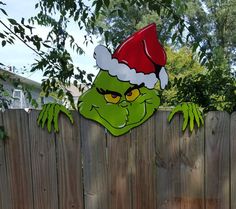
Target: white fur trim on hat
x=163 y=76
x=105 y=61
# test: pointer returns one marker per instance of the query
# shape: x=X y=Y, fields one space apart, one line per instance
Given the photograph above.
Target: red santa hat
x=139 y=59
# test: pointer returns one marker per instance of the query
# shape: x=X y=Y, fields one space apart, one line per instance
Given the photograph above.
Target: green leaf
x=60 y=93
x=174 y=37
x=3 y=11
x=22 y=21
x=124 y=6
x=4 y=43
x=120 y=13
x=37 y=44
x=195 y=46
x=106 y=35
x=89 y=77
x=191 y=29
x=100 y=29
x=47 y=46
x=98 y=6
x=106 y=2
x=2 y=35
x=12 y=21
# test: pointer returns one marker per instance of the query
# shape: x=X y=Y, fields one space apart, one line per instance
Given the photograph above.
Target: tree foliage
x=203 y=29
x=186 y=30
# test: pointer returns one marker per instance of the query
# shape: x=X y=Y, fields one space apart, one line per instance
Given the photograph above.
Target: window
x=18 y=99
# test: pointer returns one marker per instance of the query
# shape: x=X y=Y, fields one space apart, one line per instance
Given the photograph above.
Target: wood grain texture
x=119 y=172
x=44 y=167
x=143 y=141
x=192 y=168
x=17 y=152
x=69 y=161
x=217 y=130
x=5 y=202
x=155 y=166
x=94 y=165
x=233 y=159
x=168 y=161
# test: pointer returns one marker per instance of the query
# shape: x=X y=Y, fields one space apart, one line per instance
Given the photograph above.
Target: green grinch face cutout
x=123 y=96
x=118 y=106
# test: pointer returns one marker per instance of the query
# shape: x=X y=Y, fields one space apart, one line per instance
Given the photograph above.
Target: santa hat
x=139 y=59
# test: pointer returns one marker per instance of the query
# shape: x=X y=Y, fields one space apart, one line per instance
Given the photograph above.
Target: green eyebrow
x=102 y=91
x=134 y=87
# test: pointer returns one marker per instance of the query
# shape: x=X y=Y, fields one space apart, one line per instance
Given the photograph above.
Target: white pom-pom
x=163 y=76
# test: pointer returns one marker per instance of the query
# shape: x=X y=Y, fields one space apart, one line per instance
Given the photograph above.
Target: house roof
x=73 y=89
x=21 y=78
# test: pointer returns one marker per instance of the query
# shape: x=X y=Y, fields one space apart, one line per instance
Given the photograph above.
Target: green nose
x=124 y=103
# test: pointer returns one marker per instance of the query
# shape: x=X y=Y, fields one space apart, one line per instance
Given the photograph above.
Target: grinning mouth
x=126 y=121
x=96 y=109
x=145 y=108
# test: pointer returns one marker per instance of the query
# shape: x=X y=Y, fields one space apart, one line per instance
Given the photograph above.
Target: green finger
x=200 y=115
x=191 y=117
x=41 y=114
x=55 y=118
x=67 y=112
x=178 y=108
x=50 y=117
x=45 y=114
x=186 y=116
x=196 y=115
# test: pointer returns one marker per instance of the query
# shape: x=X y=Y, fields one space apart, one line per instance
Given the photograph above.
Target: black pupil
x=129 y=94
x=113 y=96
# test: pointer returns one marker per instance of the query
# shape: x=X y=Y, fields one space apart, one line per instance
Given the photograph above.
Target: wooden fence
x=156 y=166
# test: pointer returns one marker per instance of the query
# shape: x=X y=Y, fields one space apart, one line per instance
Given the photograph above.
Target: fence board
x=156 y=166
x=217 y=127
x=5 y=202
x=168 y=164
x=44 y=171
x=192 y=168
x=69 y=163
x=233 y=159
x=94 y=165
x=119 y=172
x=144 y=178
x=17 y=153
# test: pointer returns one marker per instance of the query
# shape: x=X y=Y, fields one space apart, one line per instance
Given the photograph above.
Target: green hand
x=191 y=113
x=49 y=115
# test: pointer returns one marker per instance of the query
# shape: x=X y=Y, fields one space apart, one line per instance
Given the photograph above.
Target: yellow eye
x=112 y=98
x=132 y=95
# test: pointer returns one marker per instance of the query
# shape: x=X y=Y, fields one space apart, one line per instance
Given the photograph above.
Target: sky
x=20 y=56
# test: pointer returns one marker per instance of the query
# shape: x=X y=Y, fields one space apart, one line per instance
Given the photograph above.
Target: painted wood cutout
x=123 y=95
